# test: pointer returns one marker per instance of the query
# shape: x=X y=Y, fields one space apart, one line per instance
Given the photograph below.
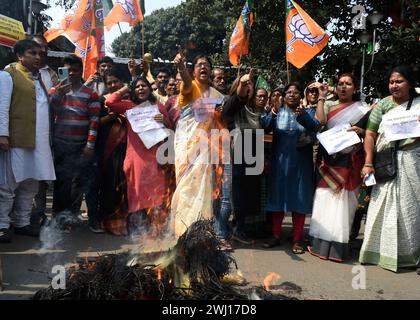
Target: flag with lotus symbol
x=92 y=48
x=304 y=37
x=130 y=11
x=84 y=26
x=239 y=40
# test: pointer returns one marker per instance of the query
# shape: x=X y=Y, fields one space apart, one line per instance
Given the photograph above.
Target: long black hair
x=408 y=73
x=133 y=96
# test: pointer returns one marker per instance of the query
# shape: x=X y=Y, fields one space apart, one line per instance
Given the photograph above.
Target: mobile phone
x=63 y=73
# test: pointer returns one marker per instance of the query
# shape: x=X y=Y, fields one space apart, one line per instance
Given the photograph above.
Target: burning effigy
x=195 y=269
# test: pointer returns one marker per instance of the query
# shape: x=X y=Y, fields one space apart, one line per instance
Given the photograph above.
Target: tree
x=205 y=27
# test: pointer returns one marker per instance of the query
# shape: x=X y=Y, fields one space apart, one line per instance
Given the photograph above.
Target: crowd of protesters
x=76 y=137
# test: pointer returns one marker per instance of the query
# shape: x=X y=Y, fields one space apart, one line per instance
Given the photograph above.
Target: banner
x=11 y=31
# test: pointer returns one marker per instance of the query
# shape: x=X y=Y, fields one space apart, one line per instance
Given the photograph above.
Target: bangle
x=321 y=98
x=369 y=165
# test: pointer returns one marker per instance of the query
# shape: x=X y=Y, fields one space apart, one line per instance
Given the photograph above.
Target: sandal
x=297 y=248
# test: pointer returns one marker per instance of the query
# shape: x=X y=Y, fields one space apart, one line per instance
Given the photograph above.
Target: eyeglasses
x=261 y=97
x=203 y=64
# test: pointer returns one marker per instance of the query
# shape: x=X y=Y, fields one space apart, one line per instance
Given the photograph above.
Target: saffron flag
x=124 y=11
x=92 y=48
x=304 y=37
x=83 y=25
x=77 y=24
x=239 y=41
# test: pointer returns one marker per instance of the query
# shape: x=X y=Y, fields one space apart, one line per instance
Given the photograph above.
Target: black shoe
x=29 y=230
x=273 y=242
x=241 y=238
x=95 y=227
x=5 y=236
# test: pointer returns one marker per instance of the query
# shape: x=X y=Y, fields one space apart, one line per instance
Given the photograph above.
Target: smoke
x=51 y=233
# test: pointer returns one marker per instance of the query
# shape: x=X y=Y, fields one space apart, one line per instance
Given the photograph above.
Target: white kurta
x=28 y=163
x=46 y=77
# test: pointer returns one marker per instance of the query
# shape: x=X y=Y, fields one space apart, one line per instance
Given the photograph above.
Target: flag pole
x=288 y=71
x=119 y=26
x=239 y=66
x=86 y=54
x=142 y=39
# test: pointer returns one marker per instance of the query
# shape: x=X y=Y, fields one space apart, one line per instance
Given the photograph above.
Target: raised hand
x=323 y=90
x=180 y=61
x=63 y=87
x=132 y=67
x=300 y=109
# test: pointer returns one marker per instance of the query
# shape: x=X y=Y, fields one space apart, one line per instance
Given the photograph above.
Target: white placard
x=153 y=137
x=402 y=126
x=204 y=108
x=370 y=180
x=338 y=138
x=141 y=117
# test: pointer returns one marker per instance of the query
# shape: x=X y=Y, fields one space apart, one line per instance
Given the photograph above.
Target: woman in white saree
x=339 y=178
x=392 y=233
x=195 y=174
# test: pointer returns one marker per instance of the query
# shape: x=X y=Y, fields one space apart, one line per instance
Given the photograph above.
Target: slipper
x=297 y=248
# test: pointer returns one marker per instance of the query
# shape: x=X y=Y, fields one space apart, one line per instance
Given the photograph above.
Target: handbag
x=386 y=164
x=386 y=160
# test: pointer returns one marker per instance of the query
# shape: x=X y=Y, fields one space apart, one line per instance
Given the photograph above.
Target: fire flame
x=270 y=279
x=159 y=273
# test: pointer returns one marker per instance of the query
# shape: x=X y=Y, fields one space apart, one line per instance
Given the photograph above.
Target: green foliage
x=206 y=26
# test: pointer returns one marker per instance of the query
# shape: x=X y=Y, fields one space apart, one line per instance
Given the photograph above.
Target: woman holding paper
x=195 y=175
x=335 y=200
x=146 y=184
x=392 y=233
x=291 y=179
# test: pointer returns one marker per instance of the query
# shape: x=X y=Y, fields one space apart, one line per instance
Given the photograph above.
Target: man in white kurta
x=22 y=168
x=49 y=78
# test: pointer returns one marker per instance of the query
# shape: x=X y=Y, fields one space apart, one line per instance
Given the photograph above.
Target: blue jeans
x=222 y=215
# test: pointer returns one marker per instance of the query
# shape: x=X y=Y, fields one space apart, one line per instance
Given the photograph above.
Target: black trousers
x=73 y=177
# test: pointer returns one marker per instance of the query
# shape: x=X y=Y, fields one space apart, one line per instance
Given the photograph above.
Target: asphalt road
x=27 y=266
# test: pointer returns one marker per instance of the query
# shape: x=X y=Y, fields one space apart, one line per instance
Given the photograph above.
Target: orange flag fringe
x=77 y=24
x=124 y=11
x=84 y=26
x=304 y=37
x=94 y=45
x=239 y=41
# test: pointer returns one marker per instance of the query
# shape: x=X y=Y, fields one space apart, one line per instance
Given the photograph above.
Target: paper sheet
x=204 y=108
x=141 y=117
x=338 y=138
x=402 y=126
